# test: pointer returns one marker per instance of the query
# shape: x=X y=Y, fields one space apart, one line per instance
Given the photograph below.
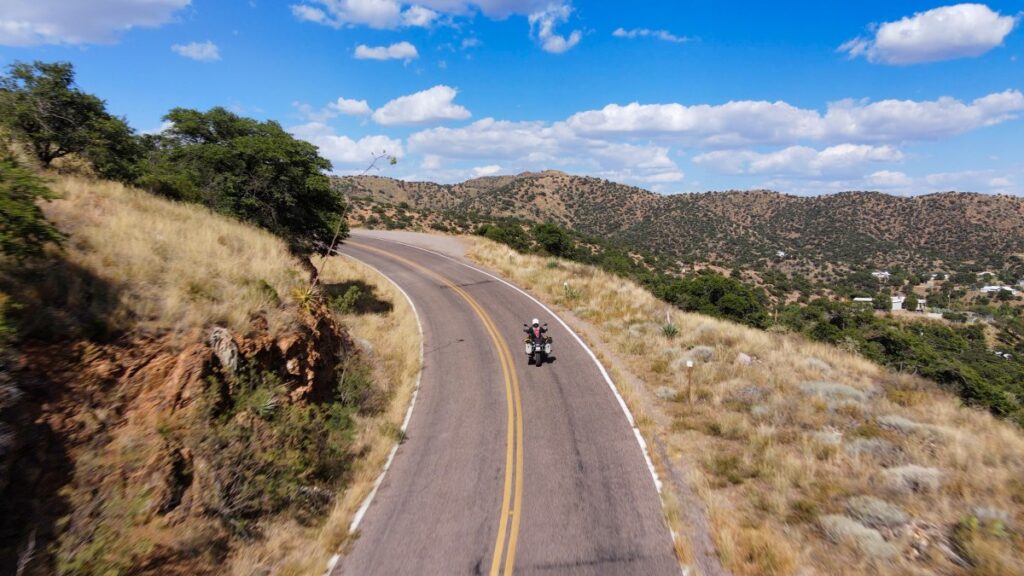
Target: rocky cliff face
x=102 y=439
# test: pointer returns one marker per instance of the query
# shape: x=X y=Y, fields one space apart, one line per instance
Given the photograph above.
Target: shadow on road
x=363 y=300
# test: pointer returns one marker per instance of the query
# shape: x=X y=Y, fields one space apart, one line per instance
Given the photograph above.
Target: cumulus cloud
x=646 y=32
x=390 y=14
x=397 y=51
x=419 y=16
x=497 y=9
x=991 y=181
x=888 y=180
x=431 y=105
x=344 y=152
x=341 y=106
x=489 y=170
x=351 y=107
x=337 y=13
x=744 y=123
x=946 y=33
x=543 y=22
x=201 y=51
x=34 y=22
x=799 y=160
x=539 y=145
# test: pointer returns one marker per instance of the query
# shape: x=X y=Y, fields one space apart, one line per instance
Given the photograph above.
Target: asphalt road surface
x=506 y=467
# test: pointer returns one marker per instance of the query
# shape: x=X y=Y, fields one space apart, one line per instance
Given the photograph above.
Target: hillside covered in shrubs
x=181 y=391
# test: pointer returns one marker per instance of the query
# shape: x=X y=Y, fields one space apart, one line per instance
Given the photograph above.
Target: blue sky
x=675 y=96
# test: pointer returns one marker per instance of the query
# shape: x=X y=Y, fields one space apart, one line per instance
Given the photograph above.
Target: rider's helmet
x=535 y=322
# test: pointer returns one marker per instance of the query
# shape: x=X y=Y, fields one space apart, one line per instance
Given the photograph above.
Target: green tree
x=911 y=302
x=716 y=295
x=40 y=104
x=252 y=170
x=23 y=228
x=553 y=239
x=882 y=301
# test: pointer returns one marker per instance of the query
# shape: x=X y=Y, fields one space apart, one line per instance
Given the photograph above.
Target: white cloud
x=431 y=162
x=343 y=106
x=543 y=22
x=470 y=43
x=337 y=13
x=892 y=182
x=744 y=123
x=311 y=14
x=390 y=14
x=351 y=107
x=34 y=22
x=419 y=16
x=646 y=32
x=398 y=51
x=431 y=105
x=343 y=151
x=201 y=51
x=540 y=145
x=888 y=179
x=496 y=9
x=843 y=159
x=489 y=170
x=990 y=181
x=946 y=33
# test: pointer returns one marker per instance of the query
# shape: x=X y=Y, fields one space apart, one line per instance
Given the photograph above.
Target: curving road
x=506 y=467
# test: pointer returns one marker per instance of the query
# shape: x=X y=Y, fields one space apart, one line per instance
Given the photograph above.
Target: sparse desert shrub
x=670 y=331
x=818 y=365
x=877 y=448
x=868 y=541
x=912 y=478
x=346 y=303
x=875 y=513
x=989 y=546
x=762 y=552
x=833 y=391
x=731 y=468
x=266 y=454
x=701 y=353
x=906 y=426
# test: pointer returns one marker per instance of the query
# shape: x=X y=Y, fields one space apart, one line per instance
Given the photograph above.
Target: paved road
x=506 y=467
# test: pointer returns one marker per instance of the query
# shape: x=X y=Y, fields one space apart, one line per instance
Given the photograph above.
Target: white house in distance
x=897 y=303
x=997 y=289
x=881 y=274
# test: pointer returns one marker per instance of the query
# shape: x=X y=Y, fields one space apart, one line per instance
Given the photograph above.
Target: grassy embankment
x=806 y=458
x=135 y=267
x=390 y=342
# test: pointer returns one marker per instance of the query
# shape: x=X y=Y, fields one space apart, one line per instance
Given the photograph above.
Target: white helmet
x=535 y=322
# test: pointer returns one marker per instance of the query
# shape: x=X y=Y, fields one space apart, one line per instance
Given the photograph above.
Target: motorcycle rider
x=535 y=329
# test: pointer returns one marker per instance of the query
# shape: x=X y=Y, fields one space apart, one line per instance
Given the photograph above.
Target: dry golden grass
x=186 y=266
x=176 y=268
x=392 y=343
x=782 y=449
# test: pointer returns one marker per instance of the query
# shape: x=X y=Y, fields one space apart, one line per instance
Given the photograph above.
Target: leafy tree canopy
x=252 y=170
x=23 y=229
x=40 y=104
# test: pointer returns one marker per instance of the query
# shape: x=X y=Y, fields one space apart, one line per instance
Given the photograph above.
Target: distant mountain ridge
x=849 y=229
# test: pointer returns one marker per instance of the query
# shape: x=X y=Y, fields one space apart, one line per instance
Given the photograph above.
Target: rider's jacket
x=535 y=332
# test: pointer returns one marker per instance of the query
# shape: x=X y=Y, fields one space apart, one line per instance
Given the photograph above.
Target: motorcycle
x=538 y=346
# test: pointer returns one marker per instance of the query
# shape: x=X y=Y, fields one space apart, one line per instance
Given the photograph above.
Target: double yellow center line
x=511 y=501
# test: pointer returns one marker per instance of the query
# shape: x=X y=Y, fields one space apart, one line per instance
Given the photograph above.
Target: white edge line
x=361 y=512
x=622 y=402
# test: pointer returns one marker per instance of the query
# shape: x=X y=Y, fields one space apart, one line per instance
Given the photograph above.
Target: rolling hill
x=850 y=230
